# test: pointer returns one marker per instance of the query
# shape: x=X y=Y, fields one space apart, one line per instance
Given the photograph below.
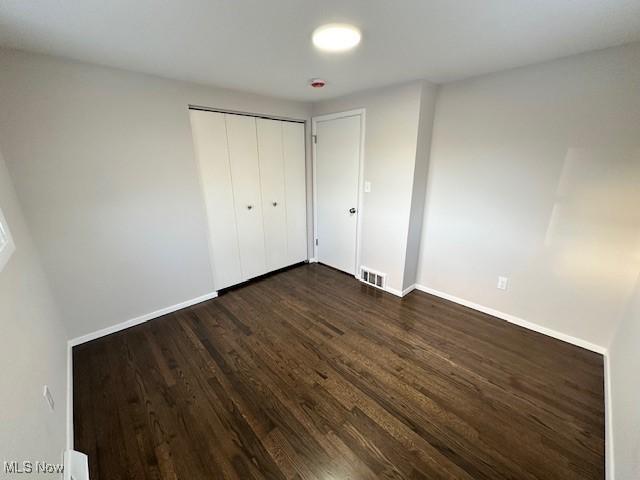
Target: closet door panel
x=210 y=143
x=245 y=175
x=296 y=190
x=273 y=192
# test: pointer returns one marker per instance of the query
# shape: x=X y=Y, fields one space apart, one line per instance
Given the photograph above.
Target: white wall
x=391 y=134
x=103 y=163
x=624 y=372
x=535 y=175
x=33 y=350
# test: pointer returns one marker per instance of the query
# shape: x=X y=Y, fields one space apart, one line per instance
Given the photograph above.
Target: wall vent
x=373 y=278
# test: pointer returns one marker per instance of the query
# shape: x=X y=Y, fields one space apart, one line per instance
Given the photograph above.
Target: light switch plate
x=367 y=186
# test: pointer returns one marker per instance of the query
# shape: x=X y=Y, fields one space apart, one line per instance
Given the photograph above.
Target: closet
x=253 y=179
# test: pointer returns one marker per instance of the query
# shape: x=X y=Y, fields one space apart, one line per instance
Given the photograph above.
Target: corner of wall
x=608 y=425
x=428 y=95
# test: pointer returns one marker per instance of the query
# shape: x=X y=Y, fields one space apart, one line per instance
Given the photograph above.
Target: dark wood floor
x=309 y=374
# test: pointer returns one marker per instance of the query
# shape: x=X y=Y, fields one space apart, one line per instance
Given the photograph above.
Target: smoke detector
x=317 y=83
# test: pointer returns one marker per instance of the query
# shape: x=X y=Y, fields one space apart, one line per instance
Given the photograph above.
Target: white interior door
x=271 y=155
x=245 y=174
x=337 y=168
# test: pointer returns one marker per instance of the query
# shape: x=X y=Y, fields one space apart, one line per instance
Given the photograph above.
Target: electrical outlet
x=502 y=283
x=49 y=398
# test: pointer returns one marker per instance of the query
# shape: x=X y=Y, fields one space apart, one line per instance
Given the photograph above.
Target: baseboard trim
x=409 y=289
x=516 y=320
x=608 y=421
x=399 y=293
x=141 y=319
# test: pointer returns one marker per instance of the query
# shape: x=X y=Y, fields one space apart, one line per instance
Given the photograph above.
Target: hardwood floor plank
x=309 y=374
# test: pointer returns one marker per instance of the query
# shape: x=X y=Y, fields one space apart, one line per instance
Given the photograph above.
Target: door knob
x=249 y=207
x=275 y=204
x=352 y=210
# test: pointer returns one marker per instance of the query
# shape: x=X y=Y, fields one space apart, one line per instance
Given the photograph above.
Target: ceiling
x=264 y=46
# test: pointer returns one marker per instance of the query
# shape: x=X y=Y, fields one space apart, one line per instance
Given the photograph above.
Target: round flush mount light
x=336 y=37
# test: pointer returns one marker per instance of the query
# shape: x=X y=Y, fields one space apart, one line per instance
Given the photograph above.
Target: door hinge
x=316 y=242
x=315 y=138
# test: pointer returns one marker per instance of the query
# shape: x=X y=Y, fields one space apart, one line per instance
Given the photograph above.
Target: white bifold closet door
x=245 y=177
x=254 y=184
x=295 y=191
x=274 y=203
x=210 y=141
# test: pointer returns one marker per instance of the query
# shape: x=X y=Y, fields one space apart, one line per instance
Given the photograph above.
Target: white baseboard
x=608 y=422
x=516 y=320
x=138 y=320
x=313 y=260
x=409 y=289
x=399 y=293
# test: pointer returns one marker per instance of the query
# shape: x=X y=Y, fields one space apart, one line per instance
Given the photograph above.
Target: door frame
x=359 y=112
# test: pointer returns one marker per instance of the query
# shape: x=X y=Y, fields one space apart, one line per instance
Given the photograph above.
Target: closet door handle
x=275 y=204
x=249 y=207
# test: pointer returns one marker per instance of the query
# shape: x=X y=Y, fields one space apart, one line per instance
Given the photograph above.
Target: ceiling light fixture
x=336 y=37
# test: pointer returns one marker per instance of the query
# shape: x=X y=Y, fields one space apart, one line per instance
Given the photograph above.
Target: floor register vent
x=371 y=277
